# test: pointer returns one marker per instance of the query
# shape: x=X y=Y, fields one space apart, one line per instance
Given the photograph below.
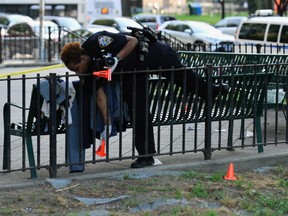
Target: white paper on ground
x=249 y=134
x=157 y=162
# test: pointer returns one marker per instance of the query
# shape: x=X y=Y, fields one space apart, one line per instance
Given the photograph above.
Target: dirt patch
x=258 y=192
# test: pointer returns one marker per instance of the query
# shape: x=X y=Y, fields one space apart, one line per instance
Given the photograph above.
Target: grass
x=254 y=195
x=204 y=194
x=212 y=19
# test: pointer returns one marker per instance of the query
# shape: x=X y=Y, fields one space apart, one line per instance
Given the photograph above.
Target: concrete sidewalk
x=243 y=158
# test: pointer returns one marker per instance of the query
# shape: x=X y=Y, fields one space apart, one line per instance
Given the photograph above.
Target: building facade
x=73 y=8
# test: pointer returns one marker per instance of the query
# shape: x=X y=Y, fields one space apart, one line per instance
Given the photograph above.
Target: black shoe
x=76 y=171
x=143 y=162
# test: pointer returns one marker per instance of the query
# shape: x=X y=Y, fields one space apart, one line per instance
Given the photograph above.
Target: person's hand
x=114 y=65
x=112 y=68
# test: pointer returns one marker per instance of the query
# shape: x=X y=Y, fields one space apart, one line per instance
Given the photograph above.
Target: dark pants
x=144 y=137
x=160 y=56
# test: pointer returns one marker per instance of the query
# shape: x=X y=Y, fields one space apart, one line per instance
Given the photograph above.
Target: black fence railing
x=183 y=122
x=27 y=46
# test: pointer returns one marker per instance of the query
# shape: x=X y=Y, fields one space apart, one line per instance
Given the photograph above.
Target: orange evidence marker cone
x=101 y=150
x=105 y=74
x=230 y=173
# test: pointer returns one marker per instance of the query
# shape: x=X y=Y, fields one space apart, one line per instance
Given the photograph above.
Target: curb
x=26 y=64
x=243 y=163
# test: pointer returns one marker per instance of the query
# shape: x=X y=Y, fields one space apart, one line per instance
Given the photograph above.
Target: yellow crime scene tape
x=31 y=70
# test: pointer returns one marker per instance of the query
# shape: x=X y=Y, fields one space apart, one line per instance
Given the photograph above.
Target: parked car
x=268 y=31
x=24 y=38
x=200 y=35
x=9 y=19
x=64 y=22
x=153 y=20
x=229 y=25
x=119 y=23
x=3 y=30
x=81 y=34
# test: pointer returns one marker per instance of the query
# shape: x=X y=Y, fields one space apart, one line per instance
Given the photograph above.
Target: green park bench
x=169 y=105
x=200 y=59
x=277 y=64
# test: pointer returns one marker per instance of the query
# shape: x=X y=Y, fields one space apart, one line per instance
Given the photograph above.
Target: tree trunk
x=223 y=9
x=281 y=7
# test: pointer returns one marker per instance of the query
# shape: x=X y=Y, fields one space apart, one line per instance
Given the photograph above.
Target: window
x=147 y=19
x=182 y=28
x=273 y=33
x=284 y=34
x=232 y=23
x=20 y=30
x=4 y=21
x=171 y=27
x=252 y=31
x=221 y=23
x=167 y=18
x=104 y=22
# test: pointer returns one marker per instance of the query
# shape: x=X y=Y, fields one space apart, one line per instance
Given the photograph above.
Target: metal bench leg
x=259 y=134
x=7 y=147
x=6 y=150
x=31 y=156
x=230 y=135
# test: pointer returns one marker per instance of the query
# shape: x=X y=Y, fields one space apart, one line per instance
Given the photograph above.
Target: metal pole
x=41 y=16
x=208 y=110
x=53 y=126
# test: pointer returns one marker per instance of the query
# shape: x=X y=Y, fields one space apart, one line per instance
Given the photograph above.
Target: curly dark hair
x=71 y=52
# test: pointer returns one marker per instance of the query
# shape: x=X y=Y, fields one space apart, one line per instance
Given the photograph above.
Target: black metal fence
x=24 y=46
x=251 y=114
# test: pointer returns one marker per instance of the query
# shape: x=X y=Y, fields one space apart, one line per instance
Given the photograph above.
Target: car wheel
x=6 y=53
x=199 y=46
x=35 y=53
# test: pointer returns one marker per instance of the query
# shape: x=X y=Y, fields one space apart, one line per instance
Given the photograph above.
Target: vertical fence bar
x=159 y=108
x=82 y=118
x=147 y=113
x=23 y=122
x=220 y=77
x=286 y=107
x=7 y=134
x=38 y=115
x=49 y=45
x=208 y=111
x=108 y=116
x=67 y=138
x=1 y=45
x=184 y=110
x=53 y=126
x=171 y=117
x=94 y=117
x=257 y=123
x=121 y=105
x=134 y=114
x=231 y=105
x=196 y=102
x=242 y=129
x=277 y=102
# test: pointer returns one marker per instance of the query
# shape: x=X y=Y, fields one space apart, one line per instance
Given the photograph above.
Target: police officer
x=130 y=53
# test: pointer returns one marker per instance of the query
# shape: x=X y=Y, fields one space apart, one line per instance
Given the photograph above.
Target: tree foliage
x=254 y=5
